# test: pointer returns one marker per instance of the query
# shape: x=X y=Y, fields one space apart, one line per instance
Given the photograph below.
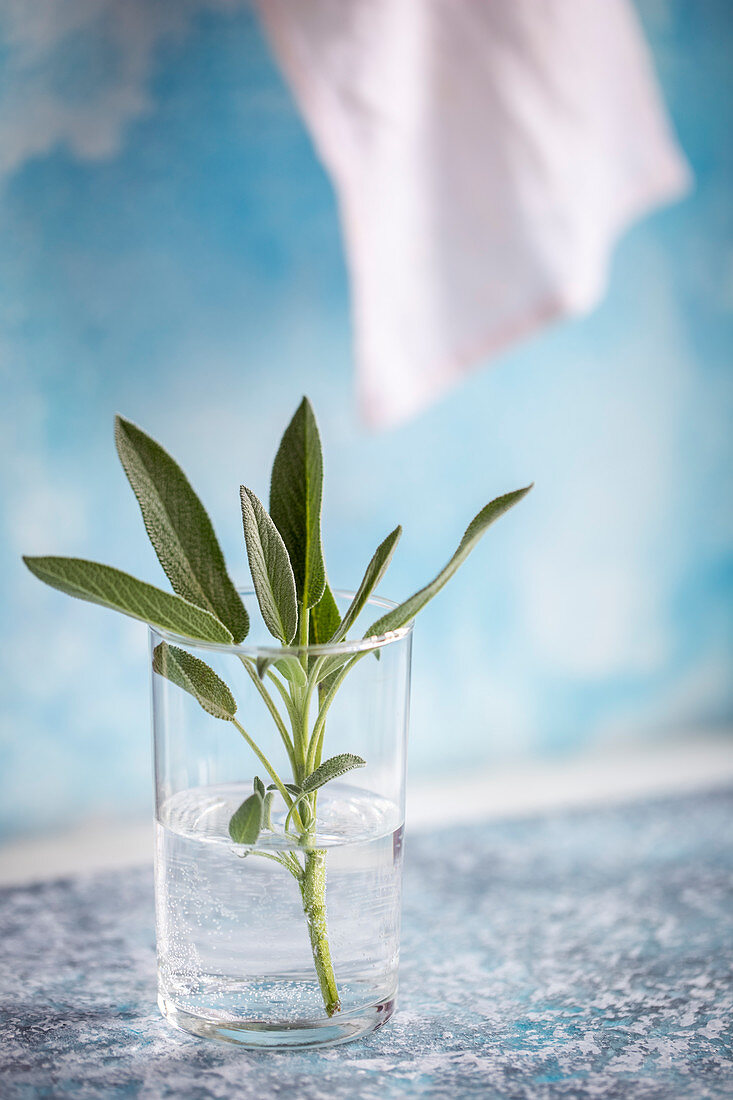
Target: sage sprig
x=403 y=614
x=179 y=528
x=272 y=573
x=88 y=580
x=285 y=554
x=195 y=677
x=296 y=489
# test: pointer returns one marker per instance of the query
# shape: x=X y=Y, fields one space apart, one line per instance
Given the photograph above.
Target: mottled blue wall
x=169 y=249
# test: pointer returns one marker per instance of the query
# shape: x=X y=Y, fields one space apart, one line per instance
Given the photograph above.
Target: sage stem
x=267 y=699
x=266 y=764
x=313 y=891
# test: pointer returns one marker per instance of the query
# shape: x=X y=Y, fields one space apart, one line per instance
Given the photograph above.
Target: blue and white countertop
x=579 y=954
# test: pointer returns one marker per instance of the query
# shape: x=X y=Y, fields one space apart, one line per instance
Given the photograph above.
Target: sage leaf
x=324 y=618
x=289 y=667
x=296 y=489
x=246 y=822
x=331 y=769
x=272 y=573
x=331 y=665
x=294 y=788
x=195 y=677
x=406 y=611
x=259 y=786
x=263 y=663
x=292 y=670
x=267 y=810
x=374 y=573
x=179 y=528
x=101 y=584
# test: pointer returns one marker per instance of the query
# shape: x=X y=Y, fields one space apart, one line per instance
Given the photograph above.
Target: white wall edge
x=505 y=792
x=591 y=780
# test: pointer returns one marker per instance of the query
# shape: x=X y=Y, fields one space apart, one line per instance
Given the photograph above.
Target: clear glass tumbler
x=292 y=940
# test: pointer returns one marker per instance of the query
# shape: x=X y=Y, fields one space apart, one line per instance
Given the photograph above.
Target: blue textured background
x=170 y=250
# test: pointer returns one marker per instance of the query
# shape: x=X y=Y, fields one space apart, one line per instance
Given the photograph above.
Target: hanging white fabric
x=486 y=155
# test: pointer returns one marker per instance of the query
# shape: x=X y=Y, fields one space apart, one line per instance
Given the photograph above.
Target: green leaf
x=195 y=677
x=292 y=787
x=88 y=580
x=267 y=810
x=289 y=667
x=324 y=618
x=259 y=786
x=324 y=622
x=331 y=666
x=271 y=570
x=179 y=528
x=374 y=573
x=332 y=769
x=406 y=611
x=246 y=822
x=295 y=502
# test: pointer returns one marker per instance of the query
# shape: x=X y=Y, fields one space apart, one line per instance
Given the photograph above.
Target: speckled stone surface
x=580 y=955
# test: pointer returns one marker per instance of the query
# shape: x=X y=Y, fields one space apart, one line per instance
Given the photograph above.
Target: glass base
x=287 y=1035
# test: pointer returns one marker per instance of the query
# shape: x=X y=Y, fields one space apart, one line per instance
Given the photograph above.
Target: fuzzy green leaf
x=179 y=528
x=271 y=570
x=324 y=618
x=289 y=667
x=263 y=663
x=267 y=810
x=331 y=666
x=88 y=580
x=246 y=822
x=195 y=677
x=332 y=769
x=324 y=622
x=406 y=611
x=374 y=573
x=294 y=788
x=259 y=786
x=295 y=502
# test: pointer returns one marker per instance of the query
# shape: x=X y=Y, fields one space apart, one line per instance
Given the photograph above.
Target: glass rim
x=274 y=652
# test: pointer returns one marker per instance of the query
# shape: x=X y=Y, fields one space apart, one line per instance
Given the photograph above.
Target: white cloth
x=486 y=154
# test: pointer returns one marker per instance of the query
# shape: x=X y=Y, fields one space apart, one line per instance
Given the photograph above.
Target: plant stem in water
x=313 y=891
